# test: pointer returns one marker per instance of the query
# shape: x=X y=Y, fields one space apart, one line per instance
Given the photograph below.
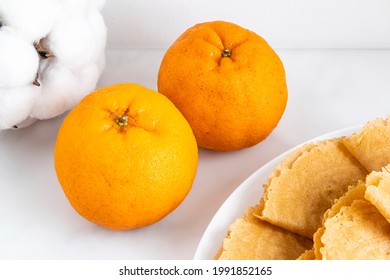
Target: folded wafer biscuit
x=335 y=192
x=252 y=239
x=300 y=190
x=353 y=193
x=307 y=255
x=353 y=229
x=378 y=190
x=371 y=145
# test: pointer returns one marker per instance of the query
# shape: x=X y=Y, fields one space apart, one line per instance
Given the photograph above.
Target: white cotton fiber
x=73 y=8
x=15 y=104
x=51 y=56
x=32 y=19
x=57 y=93
x=88 y=77
x=72 y=42
x=18 y=60
x=99 y=32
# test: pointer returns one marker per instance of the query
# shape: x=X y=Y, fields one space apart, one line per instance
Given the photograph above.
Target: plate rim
x=201 y=250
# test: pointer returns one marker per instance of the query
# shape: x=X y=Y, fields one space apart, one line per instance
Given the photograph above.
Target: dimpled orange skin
x=228 y=83
x=125 y=172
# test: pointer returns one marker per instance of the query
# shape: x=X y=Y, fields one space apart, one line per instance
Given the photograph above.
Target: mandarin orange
x=125 y=157
x=227 y=81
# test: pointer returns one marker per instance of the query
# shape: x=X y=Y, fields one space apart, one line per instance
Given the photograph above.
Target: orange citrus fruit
x=227 y=81
x=125 y=157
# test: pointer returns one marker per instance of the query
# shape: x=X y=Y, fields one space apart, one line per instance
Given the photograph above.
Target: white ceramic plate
x=247 y=194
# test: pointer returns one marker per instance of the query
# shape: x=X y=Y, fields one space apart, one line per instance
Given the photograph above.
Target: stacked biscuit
x=326 y=200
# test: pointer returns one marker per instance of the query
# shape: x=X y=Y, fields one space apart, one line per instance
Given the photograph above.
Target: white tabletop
x=328 y=90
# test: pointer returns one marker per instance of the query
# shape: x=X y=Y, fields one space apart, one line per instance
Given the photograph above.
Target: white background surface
x=284 y=23
x=337 y=60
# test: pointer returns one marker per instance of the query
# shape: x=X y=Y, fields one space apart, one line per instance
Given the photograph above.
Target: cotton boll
x=87 y=83
x=56 y=44
x=80 y=7
x=72 y=42
x=16 y=104
x=99 y=31
x=73 y=8
x=58 y=86
x=25 y=123
x=19 y=60
x=87 y=80
x=31 y=19
x=79 y=40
